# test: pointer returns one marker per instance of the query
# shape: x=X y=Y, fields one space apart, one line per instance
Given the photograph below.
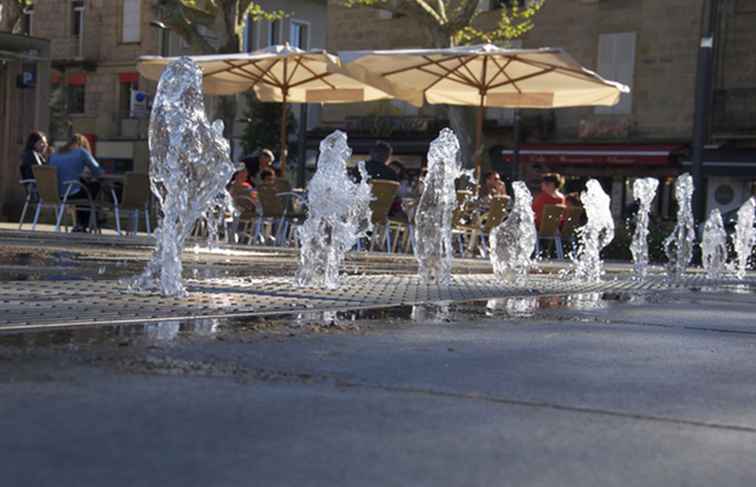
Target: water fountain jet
x=513 y=241
x=714 y=246
x=189 y=165
x=745 y=236
x=596 y=234
x=678 y=246
x=644 y=191
x=433 y=219
x=339 y=215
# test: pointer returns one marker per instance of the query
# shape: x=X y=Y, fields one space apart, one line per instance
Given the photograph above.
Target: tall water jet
x=433 y=218
x=339 y=215
x=644 y=190
x=596 y=234
x=678 y=246
x=714 y=246
x=513 y=241
x=189 y=167
x=745 y=237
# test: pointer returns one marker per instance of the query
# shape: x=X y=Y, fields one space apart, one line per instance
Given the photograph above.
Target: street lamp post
x=704 y=74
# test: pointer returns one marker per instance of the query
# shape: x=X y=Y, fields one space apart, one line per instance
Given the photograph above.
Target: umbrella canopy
x=282 y=74
x=484 y=76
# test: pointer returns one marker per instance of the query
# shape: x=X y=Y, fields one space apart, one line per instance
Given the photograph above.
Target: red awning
x=130 y=77
x=598 y=154
x=76 y=79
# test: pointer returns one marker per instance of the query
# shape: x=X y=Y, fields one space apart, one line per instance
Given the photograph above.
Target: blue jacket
x=70 y=166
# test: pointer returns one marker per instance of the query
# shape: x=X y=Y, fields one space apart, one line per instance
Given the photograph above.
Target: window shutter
x=131 y=19
x=616 y=62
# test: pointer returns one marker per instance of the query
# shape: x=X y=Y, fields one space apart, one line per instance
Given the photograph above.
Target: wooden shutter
x=616 y=62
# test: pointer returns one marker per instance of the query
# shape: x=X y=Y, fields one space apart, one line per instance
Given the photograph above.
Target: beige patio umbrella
x=281 y=74
x=484 y=76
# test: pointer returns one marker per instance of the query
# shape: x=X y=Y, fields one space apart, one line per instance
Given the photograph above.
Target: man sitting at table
x=549 y=195
x=377 y=166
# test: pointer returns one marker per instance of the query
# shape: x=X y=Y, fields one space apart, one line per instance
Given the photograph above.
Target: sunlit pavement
x=592 y=389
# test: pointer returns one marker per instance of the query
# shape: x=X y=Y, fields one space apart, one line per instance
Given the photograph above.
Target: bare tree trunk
x=11 y=14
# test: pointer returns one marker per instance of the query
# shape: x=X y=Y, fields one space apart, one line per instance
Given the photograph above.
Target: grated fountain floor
x=51 y=304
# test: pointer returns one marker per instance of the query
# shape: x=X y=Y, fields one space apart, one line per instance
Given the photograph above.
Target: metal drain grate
x=35 y=304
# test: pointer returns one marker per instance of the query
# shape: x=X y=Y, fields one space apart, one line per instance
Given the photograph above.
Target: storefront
x=615 y=166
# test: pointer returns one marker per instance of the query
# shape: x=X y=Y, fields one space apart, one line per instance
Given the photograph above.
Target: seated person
x=242 y=187
x=377 y=165
x=549 y=195
x=71 y=162
x=492 y=186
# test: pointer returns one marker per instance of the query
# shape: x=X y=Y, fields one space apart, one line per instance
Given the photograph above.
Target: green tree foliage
x=262 y=125
x=453 y=22
x=226 y=18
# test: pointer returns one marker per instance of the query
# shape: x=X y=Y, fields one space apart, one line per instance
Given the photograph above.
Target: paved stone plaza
x=548 y=385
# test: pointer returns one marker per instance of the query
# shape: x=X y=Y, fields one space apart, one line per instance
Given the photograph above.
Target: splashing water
x=222 y=205
x=714 y=246
x=433 y=219
x=644 y=191
x=339 y=215
x=190 y=166
x=745 y=236
x=513 y=241
x=679 y=244
x=594 y=235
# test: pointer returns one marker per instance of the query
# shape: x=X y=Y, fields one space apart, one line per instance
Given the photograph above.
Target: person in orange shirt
x=549 y=195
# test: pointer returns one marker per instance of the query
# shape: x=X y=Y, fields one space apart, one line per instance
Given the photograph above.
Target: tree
x=10 y=14
x=449 y=23
x=259 y=132
x=226 y=19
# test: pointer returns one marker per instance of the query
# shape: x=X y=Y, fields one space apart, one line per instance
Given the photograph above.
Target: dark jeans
x=82 y=212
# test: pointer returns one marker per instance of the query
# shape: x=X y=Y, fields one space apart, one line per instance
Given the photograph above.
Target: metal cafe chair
x=491 y=219
x=273 y=210
x=135 y=200
x=573 y=218
x=548 y=229
x=32 y=197
x=49 y=196
x=384 y=192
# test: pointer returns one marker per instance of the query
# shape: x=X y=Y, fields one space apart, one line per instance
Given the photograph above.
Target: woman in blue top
x=71 y=162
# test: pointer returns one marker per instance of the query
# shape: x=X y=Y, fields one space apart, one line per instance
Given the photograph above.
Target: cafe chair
x=49 y=196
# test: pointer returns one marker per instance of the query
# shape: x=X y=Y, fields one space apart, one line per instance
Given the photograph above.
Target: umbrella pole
x=284 y=135
x=479 y=138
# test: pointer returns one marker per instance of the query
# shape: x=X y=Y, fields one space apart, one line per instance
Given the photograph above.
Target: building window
x=616 y=62
x=27 y=18
x=76 y=95
x=77 y=18
x=131 y=21
x=250 y=32
x=274 y=32
x=298 y=34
